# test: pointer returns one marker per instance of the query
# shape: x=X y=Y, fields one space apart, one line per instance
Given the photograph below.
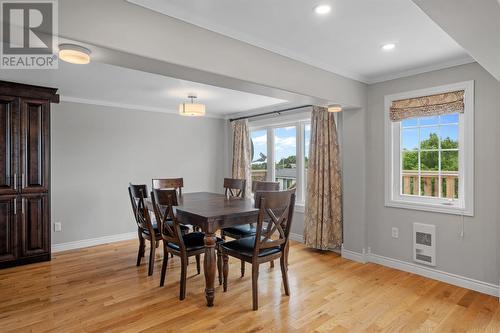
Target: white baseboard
x=354 y=256
x=93 y=241
x=297 y=237
x=432 y=273
x=120 y=237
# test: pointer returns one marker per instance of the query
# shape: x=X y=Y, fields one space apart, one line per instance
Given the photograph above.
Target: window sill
x=434 y=208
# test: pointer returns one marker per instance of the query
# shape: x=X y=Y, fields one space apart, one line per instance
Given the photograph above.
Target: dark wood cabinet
x=35 y=145
x=9 y=117
x=8 y=228
x=35 y=226
x=25 y=173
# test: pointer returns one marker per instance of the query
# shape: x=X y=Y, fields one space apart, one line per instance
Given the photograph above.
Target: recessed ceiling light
x=388 y=46
x=322 y=9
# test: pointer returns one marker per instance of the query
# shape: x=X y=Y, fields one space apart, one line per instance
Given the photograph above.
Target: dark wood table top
x=212 y=211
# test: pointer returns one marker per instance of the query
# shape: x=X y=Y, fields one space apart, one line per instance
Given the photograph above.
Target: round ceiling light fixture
x=388 y=47
x=192 y=109
x=322 y=9
x=335 y=108
x=74 y=54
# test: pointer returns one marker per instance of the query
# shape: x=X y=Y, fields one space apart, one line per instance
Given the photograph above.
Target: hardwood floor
x=100 y=289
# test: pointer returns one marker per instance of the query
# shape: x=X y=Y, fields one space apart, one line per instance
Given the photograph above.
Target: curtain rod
x=272 y=112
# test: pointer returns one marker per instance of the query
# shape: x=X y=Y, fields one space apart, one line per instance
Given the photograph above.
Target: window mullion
x=419 y=161
x=439 y=163
x=270 y=154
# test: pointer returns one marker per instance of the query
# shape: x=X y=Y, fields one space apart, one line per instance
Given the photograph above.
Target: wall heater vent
x=424 y=244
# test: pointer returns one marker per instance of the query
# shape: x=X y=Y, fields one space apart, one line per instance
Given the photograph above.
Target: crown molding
x=421 y=70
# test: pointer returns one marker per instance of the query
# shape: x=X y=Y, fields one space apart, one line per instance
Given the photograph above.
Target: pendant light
x=192 y=109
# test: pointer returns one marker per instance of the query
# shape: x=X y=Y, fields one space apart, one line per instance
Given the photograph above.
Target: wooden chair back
x=169 y=183
x=276 y=210
x=235 y=187
x=265 y=186
x=138 y=194
x=163 y=206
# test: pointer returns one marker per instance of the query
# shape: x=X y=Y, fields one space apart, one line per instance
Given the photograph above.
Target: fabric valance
x=434 y=105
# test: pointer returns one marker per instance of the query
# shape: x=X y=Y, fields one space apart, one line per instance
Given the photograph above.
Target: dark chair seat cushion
x=193 y=241
x=245 y=246
x=170 y=223
x=241 y=231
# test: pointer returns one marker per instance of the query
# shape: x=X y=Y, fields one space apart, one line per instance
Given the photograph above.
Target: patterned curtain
x=323 y=214
x=242 y=153
x=434 y=105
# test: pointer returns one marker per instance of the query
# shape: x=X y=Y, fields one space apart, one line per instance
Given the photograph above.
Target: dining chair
x=269 y=243
x=146 y=228
x=174 y=241
x=169 y=183
x=235 y=188
x=248 y=230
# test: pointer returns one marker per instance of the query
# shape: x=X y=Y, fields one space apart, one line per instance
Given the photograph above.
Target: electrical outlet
x=395 y=232
x=57 y=227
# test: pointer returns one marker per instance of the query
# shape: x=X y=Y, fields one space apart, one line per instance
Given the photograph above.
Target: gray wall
x=474 y=255
x=298 y=224
x=97 y=151
x=354 y=166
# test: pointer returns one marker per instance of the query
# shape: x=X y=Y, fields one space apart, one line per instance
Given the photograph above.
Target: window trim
x=465 y=204
x=299 y=121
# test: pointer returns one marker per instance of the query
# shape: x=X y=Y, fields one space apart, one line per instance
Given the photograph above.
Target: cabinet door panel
x=35 y=226
x=8 y=232
x=9 y=131
x=35 y=146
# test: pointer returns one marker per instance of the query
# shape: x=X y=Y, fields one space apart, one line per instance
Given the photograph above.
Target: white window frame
x=299 y=120
x=464 y=205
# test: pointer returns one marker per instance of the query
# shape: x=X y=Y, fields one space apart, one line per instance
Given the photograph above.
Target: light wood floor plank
x=99 y=289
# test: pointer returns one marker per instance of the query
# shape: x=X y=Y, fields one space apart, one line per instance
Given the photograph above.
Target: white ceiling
x=347 y=41
x=103 y=84
x=471 y=31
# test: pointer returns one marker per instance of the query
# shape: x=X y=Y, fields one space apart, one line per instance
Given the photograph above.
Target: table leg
x=209 y=267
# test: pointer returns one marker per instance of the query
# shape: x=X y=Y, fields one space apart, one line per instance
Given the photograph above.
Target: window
x=279 y=153
x=429 y=156
x=259 y=154
x=429 y=159
x=285 y=156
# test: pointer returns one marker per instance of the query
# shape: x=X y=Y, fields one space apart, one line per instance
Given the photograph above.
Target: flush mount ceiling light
x=388 y=47
x=322 y=9
x=74 y=54
x=192 y=109
x=335 y=108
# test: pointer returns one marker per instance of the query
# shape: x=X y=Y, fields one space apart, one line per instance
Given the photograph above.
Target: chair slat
x=234 y=187
x=169 y=183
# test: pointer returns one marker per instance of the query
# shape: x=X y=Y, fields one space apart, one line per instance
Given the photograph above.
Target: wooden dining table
x=211 y=212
